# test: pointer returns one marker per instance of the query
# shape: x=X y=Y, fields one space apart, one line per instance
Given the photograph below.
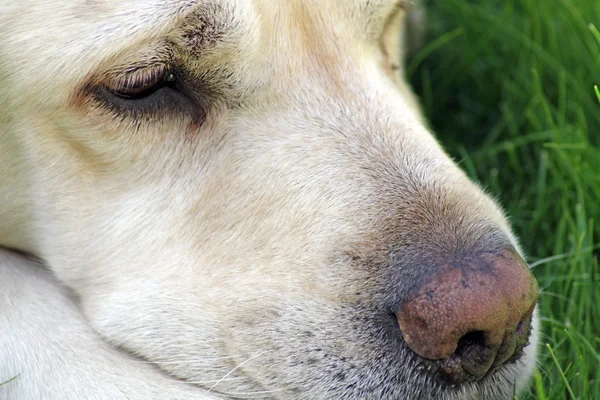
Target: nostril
x=470 y=341
x=520 y=337
x=474 y=353
x=520 y=327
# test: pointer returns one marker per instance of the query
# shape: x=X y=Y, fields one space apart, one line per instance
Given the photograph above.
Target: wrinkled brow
x=207 y=24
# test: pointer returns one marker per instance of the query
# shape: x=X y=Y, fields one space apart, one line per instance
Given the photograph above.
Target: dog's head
x=244 y=193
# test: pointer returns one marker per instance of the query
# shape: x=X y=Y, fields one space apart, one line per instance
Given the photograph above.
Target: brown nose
x=474 y=315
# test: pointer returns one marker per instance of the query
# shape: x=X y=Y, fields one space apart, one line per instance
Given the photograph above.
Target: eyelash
x=141 y=82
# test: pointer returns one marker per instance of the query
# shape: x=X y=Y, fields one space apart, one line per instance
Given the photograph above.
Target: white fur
x=54 y=354
x=211 y=250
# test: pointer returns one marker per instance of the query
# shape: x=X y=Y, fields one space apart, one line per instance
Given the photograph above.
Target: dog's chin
x=381 y=377
x=504 y=383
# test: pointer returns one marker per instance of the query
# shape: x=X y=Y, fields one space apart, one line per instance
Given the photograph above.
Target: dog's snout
x=473 y=315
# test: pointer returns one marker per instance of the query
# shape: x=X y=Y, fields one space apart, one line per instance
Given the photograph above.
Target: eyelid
x=139 y=80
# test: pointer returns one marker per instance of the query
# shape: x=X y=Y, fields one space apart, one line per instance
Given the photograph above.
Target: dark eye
x=155 y=91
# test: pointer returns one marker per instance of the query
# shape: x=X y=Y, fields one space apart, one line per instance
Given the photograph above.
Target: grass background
x=508 y=86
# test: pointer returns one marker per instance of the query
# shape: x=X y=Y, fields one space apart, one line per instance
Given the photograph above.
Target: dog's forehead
x=130 y=19
x=361 y=14
x=283 y=37
x=266 y=21
x=261 y=31
x=99 y=23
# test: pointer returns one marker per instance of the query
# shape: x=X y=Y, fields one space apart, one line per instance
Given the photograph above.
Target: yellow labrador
x=240 y=199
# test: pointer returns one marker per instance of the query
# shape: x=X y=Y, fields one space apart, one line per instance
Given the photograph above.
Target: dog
x=241 y=199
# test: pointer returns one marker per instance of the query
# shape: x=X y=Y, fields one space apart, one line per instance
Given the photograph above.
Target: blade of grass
x=560 y=371
x=10 y=380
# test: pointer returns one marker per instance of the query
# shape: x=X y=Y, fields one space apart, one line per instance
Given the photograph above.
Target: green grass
x=509 y=87
x=8 y=381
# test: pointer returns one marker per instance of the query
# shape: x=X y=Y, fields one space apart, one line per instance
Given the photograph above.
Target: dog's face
x=244 y=193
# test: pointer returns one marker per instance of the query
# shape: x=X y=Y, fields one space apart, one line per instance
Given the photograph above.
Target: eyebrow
x=205 y=26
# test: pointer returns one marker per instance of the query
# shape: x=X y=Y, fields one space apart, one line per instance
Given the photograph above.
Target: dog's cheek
x=185 y=331
x=116 y=316
x=142 y=317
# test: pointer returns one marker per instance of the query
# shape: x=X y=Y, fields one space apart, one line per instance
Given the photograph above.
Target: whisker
x=234 y=369
x=234 y=378
x=194 y=360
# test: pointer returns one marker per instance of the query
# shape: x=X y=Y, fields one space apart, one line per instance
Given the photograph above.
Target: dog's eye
x=155 y=91
x=140 y=83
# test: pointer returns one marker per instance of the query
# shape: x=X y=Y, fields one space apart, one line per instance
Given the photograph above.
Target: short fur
x=253 y=237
